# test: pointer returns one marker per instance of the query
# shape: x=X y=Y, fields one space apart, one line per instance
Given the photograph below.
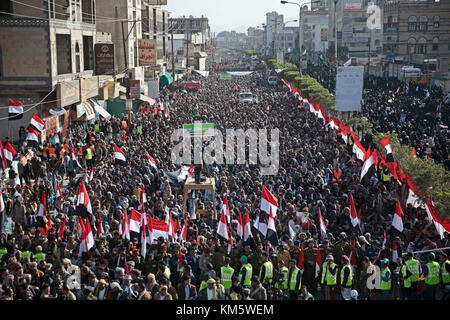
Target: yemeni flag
x=368 y=168
x=126 y=227
x=394 y=251
x=151 y=161
x=87 y=239
x=150 y=229
x=301 y=259
x=184 y=230
x=230 y=242
x=413 y=152
x=323 y=228
x=84 y=207
x=119 y=155
x=397 y=222
x=222 y=229
x=58 y=192
x=75 y=158
x=247 y=232
x=32 y=137
x=2 y=154
x=143 y=199
x=89 y=176
x=318 y=262
x=387 y=145
x=41 y=219
x=268 y=201
x=15 y=110
x=61 y=228
x=37 y=123
x=144 y=235
x=226 y=209
x=135 y=221
x=240 y=227
x=100 y=229
x=271 y=231
x=80 y=226
x=9 y=152
x=354 y=218
x=261 y=222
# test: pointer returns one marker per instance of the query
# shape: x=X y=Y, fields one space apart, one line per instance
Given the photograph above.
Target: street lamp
x=300 y=27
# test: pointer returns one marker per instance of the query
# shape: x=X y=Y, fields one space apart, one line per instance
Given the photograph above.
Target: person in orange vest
x=337 y=175
x=123 y=125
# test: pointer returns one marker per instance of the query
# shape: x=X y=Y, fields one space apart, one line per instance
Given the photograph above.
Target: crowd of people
x=417 y=113
x=35 y=266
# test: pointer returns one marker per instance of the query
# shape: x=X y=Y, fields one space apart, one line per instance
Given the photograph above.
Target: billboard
x=135 y=89
x=349 y=87
x=104 y=58
x=147 y=52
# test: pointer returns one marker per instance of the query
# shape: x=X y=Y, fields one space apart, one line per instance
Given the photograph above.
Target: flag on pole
x=41 y=219
x=75 y=158
x=58 y=192
x=318 y=262
x=151 y=161
x=32 y=137
x=397 y=222
x=100 y=229
x=126 y=226
x=144 y=235
x=247 y=232
x=123 y=137
x=240 y=227
x=268 y=201
x=387 y=145
x=271 y=230
x=87 y=239
x=394 y=251
x=348 y=63
x=321 y=59
x=135 y=221
x=184 y=230
x=9 y=152
x=230 y=241
x=143 y=199
x=37 y=123
x=89 y=176
x=368 y=168
x=61 y=228
x=323 y=228
x=222 y=229
x=226 y=209
x=119 y=155
x=83 y=202
x=2 y=154
x=353 y=216
x=352 y=254
x=15 y=110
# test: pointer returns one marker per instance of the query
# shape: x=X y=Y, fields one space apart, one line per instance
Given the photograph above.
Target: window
x=436 y=21
x=423 y=26
x=5 y=6
x=412 y=23
x=411 y=45
x=77 y=58
x=435 y=44
x=88 y=53
x=63 y=54
x=421 y=46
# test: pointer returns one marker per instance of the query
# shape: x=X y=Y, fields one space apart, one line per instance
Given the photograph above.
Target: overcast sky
x=233 y=14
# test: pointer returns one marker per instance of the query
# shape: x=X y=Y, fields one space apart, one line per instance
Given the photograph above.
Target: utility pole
x=370 y=43
x=335 y=35
x=173 y=56
x=127 y=77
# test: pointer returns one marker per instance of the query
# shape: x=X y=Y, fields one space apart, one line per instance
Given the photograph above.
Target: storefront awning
x=105 y=114
x=147 y=99
x=166 y=79
x=90 y=113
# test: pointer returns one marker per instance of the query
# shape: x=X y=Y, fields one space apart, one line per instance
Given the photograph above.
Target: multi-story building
x=47 y=61
x=274 y=24
x=193 y=26
x=417 y=33
x=255 y=38
x=315 y=30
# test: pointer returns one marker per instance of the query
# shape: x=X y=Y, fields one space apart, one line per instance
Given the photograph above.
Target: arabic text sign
x=198 y=130
x=147 y=52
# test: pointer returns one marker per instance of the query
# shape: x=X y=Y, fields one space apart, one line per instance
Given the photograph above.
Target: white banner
x=203 y=73
x=240 y=73
x=349 y=87
x=280 y=70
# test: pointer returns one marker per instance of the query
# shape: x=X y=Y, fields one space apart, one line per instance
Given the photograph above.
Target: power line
x=33 y=106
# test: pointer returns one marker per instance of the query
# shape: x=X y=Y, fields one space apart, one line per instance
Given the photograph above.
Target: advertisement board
x=104 y=58
x=147 y=52
x=349 y=87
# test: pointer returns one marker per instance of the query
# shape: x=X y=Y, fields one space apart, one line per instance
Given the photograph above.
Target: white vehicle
x=272 y=80
x=246 y=96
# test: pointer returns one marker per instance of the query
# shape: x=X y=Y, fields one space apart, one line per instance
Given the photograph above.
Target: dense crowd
x=42 y=267
x=417 y=113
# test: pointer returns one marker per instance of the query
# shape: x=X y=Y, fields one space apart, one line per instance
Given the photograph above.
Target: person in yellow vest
x=445 y=274
x=386 y=279
x=39 y=255
x=266 y=272
x=386 y=176
x=245 y=274
x=431 y=274
x=26 y=254
x=405 y=277
x=97 y=127
x=295 y=280
x=139 y=130
x=414 y=267
x=226 y=274
x=329 y=277
x=88 y=157
x=281 y=282
x=346 y=278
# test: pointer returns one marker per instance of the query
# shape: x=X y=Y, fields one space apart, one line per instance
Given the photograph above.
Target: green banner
x=226 y=76
x=198 y=130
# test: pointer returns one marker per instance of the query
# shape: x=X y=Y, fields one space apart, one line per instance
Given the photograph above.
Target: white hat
x=354 y=293
x=65 y=261
x=115 y=285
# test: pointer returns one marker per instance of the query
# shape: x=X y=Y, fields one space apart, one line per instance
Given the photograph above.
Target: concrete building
x=255 y=39
x=315 y=30
x=417 y=33
x=274 y=24
x=47 y=61
x=190 y=26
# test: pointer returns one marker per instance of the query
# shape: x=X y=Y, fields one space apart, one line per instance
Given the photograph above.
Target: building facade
x=417 y=34
x=47 y=61
x=193 y=26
